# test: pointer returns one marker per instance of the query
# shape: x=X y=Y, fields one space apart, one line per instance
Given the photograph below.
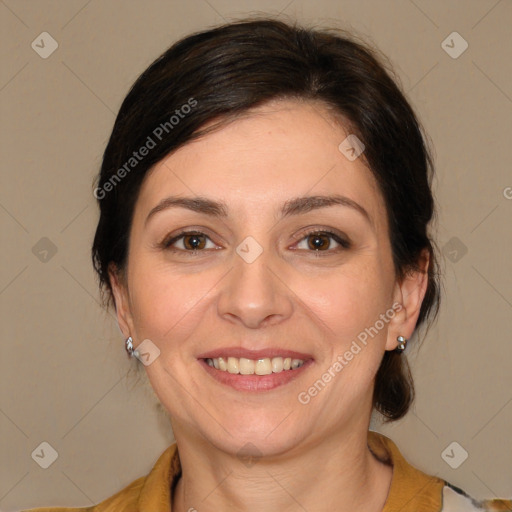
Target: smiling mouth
x=263 y=366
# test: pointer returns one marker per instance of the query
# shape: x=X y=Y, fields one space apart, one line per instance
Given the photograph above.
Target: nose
x=254 y=294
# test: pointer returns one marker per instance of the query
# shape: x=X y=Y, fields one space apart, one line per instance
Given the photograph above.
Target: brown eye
x=323 y=241
x=318 y=241
x=188 y=241
x=193 y=242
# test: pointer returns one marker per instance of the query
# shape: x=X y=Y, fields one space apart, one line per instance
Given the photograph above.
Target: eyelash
x=345 y=244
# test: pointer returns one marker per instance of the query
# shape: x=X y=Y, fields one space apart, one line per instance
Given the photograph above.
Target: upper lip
x=239 y=352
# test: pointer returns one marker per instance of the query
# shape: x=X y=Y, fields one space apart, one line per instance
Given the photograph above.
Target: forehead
x=279 y=150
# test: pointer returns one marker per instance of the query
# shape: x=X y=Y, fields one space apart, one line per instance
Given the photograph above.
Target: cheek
x=348 y=301
x=168 y=305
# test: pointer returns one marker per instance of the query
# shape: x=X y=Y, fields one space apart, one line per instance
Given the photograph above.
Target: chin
x=260 y=437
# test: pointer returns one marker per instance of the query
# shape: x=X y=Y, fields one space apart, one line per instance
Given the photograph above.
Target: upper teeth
x=264 y=366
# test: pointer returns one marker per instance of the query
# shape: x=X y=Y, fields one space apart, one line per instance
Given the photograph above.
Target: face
x=285 y=260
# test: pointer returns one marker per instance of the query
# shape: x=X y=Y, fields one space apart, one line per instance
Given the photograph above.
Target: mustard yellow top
x=411 y=490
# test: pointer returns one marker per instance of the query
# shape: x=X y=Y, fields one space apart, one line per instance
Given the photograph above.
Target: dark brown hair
x=220 y=74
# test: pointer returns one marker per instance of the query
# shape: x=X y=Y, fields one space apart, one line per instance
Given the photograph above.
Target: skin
x=313 y=456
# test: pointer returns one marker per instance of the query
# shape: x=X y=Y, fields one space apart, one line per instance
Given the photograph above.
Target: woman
x=264 y=237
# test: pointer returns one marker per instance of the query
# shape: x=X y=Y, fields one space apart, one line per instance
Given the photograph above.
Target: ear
x=408 y=296
x=122 y=301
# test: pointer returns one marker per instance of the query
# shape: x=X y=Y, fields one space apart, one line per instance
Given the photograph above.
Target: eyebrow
x=294 y=206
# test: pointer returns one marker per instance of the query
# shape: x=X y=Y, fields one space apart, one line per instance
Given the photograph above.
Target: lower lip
x=255 y=382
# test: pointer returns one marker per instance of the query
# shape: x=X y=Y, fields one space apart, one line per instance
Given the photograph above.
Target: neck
x=337 y=473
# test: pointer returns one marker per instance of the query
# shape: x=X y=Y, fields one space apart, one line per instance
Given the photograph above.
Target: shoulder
x=125 y=499
x=147 y=493
x=456 y=500
x=411 y=490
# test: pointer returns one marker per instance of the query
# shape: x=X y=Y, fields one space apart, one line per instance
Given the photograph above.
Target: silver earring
x=401 y=344
x=129 y=346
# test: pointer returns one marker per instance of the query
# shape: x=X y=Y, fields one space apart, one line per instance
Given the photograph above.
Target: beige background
x=63 y=366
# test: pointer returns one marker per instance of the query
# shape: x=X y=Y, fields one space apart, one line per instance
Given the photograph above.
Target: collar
x=411 y=490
